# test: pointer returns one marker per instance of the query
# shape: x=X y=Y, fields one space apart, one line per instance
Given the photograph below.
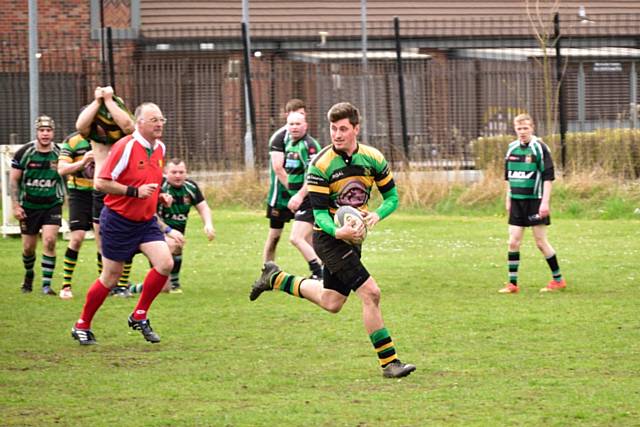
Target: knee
x=165 y=266
x=334 y=306
x=294 y=240
x=372 y=296
x=514 y=243
x=49 y=243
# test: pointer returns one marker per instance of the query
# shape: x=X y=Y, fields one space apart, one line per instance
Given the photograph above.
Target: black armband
x=132 y=191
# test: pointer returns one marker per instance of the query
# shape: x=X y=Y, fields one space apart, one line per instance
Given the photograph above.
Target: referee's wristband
x=168 y=230
x=132 y=191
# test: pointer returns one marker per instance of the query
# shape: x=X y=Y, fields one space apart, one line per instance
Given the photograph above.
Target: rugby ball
x=352 y=217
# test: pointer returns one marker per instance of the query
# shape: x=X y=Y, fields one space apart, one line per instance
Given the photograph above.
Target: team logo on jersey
x=161 y=163
x=140 y=164
x=53 y=165
x=528 y=158
x=520 y=174
x=187 y=200
x=353 y=194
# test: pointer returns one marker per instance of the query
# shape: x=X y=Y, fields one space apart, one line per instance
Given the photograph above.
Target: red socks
x=95 y=297
x=151 y=287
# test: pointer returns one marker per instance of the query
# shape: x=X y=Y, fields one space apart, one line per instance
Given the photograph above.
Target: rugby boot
x=509 y=289
x=144 y=326
x=397 y=369
x=83 y=336
x=264 y=282
x=554 y=286
x=27 y=285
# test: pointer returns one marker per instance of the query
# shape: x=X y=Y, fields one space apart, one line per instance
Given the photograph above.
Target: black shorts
x=98 y=203
x=524 y=213
x=36 y=218
x=305 y=211
x=343 y=270
x=80 y=210
x=278 y=217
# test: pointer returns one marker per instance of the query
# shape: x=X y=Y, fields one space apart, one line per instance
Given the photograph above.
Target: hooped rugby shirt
x=526 y=167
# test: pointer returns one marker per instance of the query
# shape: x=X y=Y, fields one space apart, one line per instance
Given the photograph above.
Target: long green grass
x=571 y=358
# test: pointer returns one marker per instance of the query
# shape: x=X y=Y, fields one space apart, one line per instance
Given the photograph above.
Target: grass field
x=571 y=358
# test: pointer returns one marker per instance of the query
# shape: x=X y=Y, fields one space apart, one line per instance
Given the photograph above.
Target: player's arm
x=86 y=116
x=387 y=187
x=205 y=213
x=171 y=232
x=66 y=166
x=122 y=118
x=112 y=187
x=277 y=163
x=14 y=179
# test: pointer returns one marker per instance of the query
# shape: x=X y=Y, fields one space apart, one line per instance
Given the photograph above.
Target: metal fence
x=462 y=79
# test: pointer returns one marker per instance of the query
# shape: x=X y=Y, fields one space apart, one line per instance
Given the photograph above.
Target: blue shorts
x=121 y=237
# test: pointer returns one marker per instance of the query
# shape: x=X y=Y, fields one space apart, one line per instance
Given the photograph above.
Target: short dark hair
x=344 y=110
x=294 y=105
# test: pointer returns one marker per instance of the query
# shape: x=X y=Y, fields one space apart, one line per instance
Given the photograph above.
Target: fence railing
x=463 y=79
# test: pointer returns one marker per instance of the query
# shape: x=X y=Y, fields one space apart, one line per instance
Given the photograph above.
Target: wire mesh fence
x=463 y=79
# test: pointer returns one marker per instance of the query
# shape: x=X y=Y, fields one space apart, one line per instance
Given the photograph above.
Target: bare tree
x=541 y=21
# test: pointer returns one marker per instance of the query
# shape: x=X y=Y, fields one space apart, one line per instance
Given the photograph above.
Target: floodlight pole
x=365 y=71
x=248 y=94
x=561 y=92
x=34 y=82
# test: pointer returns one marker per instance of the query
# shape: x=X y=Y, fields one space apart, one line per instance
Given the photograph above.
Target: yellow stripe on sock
x=388 y=359
x=384 y=347
x=296 y=286
x=278 y=280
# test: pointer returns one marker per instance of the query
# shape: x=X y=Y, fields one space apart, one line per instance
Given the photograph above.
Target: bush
x=611 y=152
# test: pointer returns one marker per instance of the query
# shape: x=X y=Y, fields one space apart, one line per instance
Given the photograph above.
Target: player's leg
x=277 y=219
x=300 y=237
x=273 y=237
x=80 y=221
x=557 y=282
x=29 y=245
x=174 y=280
x=160 y=258
x=517 y=222
x=96 y=295
x=52 y=221
x=273 y=278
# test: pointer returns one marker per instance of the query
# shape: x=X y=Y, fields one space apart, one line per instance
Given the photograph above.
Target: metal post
x=112 y=70
x=403 y=108
x=365 y=71
x=34 y=81
x=582 y=112
x=561 y=92
x=103 y=60
x=249 y=138
x=633 y=92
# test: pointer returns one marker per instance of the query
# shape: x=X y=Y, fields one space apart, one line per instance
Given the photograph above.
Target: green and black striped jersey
x=335 y=179
x=41 y=186
x=184 y=197
x=526 y=167
x=104 y=129
x=278 y=195
x=297 y=155
x=73 y=149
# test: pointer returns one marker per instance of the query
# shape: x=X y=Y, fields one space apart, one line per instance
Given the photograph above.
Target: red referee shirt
x=132 y=161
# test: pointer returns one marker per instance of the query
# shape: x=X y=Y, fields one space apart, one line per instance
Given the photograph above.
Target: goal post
x=9 y=223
